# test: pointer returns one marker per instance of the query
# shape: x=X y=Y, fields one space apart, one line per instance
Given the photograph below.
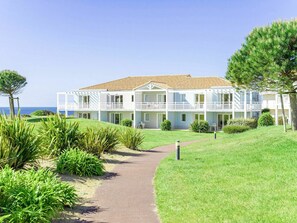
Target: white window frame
x=145 y=117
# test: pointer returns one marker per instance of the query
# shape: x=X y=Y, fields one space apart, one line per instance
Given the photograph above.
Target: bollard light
x=177 y=145
x=215 y=135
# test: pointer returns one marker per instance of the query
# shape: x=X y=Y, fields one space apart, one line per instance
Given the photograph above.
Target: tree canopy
x=11 y=83
x=267 y=61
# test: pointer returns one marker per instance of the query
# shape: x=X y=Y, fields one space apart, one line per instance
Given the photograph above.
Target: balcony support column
x=66 y=104
x=134 y=109
x=167 y=105
x=245 y=104
x=276 y=109
x=205 y=109
x=233 y=105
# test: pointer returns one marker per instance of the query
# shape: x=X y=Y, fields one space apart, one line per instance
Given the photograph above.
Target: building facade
x=148 y=100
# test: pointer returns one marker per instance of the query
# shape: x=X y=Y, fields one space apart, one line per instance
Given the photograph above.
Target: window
x=255 y=97
x=183 y=117
x=183 y=97
x=84 y=115
x=199 y=117
x=132 y=116
x=119 y=98
x=146 y=117
x=226 y=98
x=145 y=98
x=199 y=98
x=132 y=98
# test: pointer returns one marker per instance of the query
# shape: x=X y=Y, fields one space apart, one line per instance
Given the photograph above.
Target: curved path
x=127 y=195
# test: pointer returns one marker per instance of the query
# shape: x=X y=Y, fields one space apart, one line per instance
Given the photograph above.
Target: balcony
x=150 y=106
x=219 y=106
x=78 y=107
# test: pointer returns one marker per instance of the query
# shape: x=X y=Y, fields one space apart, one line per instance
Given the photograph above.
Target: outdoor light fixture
x=177 y=145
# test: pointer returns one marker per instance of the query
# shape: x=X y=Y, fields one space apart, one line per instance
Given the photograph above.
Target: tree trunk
x=283 y=113
x=11 y=107
x=293 y=104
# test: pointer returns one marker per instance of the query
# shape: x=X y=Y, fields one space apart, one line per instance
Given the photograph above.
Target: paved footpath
x=127 y=195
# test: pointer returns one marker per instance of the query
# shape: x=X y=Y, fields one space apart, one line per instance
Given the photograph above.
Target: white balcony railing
x=77 y=107
x=150 y=105
x=112 y=106
x=185 y=106
x=219 y=106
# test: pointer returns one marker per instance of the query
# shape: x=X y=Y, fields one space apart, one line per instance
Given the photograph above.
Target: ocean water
x=29 y=110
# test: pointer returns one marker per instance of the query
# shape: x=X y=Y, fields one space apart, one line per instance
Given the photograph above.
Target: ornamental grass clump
x=58 y=135
x=131 y=138
x=33 y=196
x=78 y=162
x=250 y=122
x=18 y=143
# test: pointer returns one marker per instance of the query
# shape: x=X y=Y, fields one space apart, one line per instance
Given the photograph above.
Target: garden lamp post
x=177 y=145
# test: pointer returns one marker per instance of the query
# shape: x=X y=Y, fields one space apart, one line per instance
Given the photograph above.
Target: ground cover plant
x=19 y=145
x=33 y=196
x=78 y=162
x=248 y=177
x=126 y=122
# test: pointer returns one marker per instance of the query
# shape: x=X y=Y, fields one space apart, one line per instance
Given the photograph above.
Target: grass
x=152 y=138
x=247 y=177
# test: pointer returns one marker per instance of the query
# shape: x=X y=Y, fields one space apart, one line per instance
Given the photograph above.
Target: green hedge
x=42 y=113
x=200 y=126
x=250 y=122
x=230 y=129
x=265 y=120
x=166 y=125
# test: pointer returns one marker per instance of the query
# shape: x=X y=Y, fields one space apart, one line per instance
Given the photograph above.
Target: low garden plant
x=131 y=138
x=265 y=119
x=33 y=196
x=166 y=125
x=78 y=162
x=126 y=122
x=19 y=145
x=250 y=122
x=200 y=126
x=58 y=135
x=231 y=129
x=265 y=110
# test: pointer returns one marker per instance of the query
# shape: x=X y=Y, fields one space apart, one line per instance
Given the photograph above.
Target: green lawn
x=247 y=177
x=153 y=138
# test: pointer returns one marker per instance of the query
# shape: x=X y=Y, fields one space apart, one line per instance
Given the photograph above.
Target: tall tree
x=11 y=83
x=267 y=61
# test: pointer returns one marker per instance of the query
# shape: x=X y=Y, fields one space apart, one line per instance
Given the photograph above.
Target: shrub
x=230 y=129
x=250 y=122
x=18 y=143
x=25 y=116
x=58 y=135
x=166 y=125
x=131 y=138
x=265 y=120
x=42 y=113
x=98 y=141
x=200 y=126
x=265 y=110
x=78 y=162
x=33 y=196
x=126 y=122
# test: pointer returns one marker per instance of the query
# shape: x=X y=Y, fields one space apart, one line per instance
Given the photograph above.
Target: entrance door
x=223 y=120
x=160 y=119
x=115 y=118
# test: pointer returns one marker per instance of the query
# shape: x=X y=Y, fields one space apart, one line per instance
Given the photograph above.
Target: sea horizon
x=27 y=110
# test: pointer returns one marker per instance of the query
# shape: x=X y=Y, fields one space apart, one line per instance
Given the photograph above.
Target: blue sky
x=62 y=45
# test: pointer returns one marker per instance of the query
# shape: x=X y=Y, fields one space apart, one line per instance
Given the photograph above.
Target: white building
x=148 y=100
